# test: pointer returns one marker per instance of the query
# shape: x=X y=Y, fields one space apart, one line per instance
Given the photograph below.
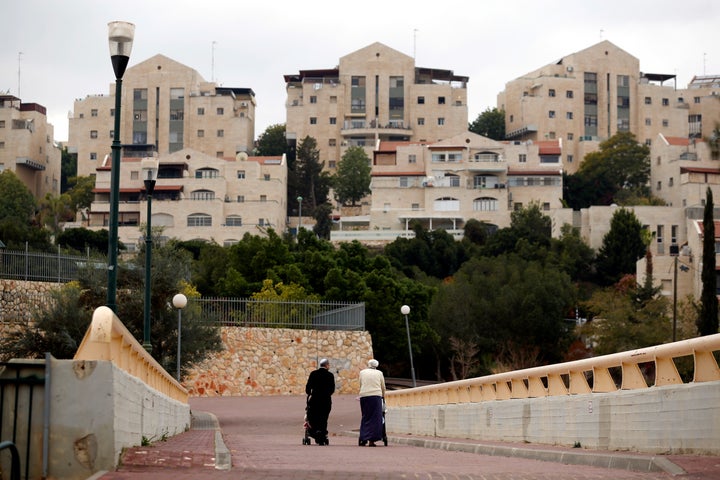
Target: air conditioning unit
x=569 y=68
x=243 y=104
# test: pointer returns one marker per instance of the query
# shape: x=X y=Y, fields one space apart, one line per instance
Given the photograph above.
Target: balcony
x=363 y=127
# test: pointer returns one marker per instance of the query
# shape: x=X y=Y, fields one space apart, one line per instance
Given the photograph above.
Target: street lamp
x=405 y=310
x=299 y=199
x=179 y=302
x=120 y=38
x=149 y=169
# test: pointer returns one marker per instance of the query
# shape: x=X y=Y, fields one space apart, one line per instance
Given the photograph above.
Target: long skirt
x=371 y=426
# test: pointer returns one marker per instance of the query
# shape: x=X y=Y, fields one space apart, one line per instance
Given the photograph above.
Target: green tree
x=79 y=239
x=323 y=221
x=490 y=124
x=310 y=181
x=352 y=180
x=81 y=192
x=68 y=169
x=18 y=220
x=530 y=231
x=272 y=141
x=435 y=253
x=707 y=321
x=621 y=248
x=618 y=171
x=54 y=210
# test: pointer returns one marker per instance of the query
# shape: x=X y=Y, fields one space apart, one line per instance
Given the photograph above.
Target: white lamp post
x=299 y=199
x=405 y=310
x=120 y=39
x=179 y=302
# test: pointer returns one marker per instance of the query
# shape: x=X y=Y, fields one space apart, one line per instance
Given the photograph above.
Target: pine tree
x=707 y=321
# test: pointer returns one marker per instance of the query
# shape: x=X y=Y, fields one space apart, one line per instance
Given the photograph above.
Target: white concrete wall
x=97 y=410
x=675 y=419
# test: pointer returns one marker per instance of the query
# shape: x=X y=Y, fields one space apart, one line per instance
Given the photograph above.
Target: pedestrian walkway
x=261 y=438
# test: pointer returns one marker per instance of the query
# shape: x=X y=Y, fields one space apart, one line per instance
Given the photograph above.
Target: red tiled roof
x=699 y=170
x=679 y=141
x=549 y=147
x=702 y=229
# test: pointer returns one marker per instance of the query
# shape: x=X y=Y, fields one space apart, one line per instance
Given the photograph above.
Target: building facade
x=168 y=106
x=374 y=94
x=27 y=146
x=587 y=97
x=196 y=197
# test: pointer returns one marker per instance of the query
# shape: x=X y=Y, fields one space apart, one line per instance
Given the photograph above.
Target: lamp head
x=404 y=309
x=120 y=38
x=179 y=301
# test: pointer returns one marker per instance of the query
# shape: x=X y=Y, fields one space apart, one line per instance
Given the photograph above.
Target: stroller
x=320 y=436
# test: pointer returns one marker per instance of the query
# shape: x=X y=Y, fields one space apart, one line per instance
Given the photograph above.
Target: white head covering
x=323 y=362
x=372 y=363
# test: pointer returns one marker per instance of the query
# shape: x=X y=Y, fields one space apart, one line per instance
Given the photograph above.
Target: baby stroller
x=320 y=436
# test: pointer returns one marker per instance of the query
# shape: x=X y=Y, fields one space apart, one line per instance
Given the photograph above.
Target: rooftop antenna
x=18 y=89
x=704 y=58
x=212 y=74
x=601 y=33
x=415 y=43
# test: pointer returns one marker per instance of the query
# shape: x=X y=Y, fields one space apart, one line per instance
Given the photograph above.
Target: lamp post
x=120 y=39
x=299 y=199
x=179 y=302
x=149 y=168
x=405 y=310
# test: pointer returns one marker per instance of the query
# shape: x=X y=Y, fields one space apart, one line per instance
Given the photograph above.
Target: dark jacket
x=320 y=384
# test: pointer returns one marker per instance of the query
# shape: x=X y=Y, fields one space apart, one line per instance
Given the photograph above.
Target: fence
x=44 y=266
x=243 y=312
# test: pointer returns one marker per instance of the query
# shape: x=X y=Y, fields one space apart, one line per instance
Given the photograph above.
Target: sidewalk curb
x=635 y=463
x=208 y=421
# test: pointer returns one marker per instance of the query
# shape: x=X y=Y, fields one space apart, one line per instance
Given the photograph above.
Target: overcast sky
x=252 y=44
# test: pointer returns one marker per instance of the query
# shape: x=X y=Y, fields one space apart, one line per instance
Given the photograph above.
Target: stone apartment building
x=197 y=196
x=27 y=146
x=374 y=94
x=168 y=106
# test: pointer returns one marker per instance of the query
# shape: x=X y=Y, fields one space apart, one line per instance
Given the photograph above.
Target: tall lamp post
x=405 y=310
x=179 y=302
x=149 y=168
x=120 y=38
x=299 y=199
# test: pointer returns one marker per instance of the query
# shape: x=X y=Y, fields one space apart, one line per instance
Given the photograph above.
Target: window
x=219 y=154
x=2 y=144
x=112 y=133
x=201 y=111
x=648 y=101
x=569 y=94
x=333 y=99
x=332 y=164
x=648 y=142
x=263 y=198
x=485 y=204
x=441 y=121
x=241 y=198
x=94 y=112
x=204 y=195
x=221 y=133
x=673 y=234
x=659 y=185
x=671 y=182
x=512 y=117
x=332 y=142
x=570 y=136
x=233 y=221
x=546 y=206
x=134 y=175
x=199 y=220
x=551 y=114
x=569 y=115
x=569 y=159
x=333 y=120
x=403 y=182
x=112 y=112
x=220 y=111
x=386 y=207
x=665 y=102
x=412 y=158
x=201 y=133
x=551 y=92
x=441 y=100
x=93 y=156
x=665 y=122
x=522 y=158
x=2 y=123
x=696 y=99
x=648 y=121
x=266 y=177
x=421 y=100
x=207 y=173
x=415 y=207
x=421 y=121
x=313 y=120
x=241 y=174
x=313 y=98
x=93 y=134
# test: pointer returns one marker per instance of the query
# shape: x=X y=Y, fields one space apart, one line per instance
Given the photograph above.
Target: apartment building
x=703 y=97
x=374 y=94
x=588 y=96
x=167 y=106
x=27 y=146
x=466 y=176
x=197 y=196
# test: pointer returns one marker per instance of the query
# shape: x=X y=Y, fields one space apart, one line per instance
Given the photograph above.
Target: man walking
x=319 y=388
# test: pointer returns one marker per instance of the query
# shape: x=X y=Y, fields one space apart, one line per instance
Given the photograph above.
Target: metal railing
x=14 y=459
x=44 y=266
x=243 y=312
x=620 y=371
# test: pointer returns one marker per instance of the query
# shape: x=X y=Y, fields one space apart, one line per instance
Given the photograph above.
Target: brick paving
x=264 y=438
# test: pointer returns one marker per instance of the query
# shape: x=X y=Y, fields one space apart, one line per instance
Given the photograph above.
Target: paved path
x=261 y=439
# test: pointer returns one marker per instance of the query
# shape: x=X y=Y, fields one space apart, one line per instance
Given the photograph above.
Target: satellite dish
x=241 y=156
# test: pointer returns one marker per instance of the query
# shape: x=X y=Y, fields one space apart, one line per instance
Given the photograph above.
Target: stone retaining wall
x=18 y=298
x=277 y=361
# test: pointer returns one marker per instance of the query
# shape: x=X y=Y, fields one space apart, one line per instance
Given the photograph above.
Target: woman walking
x=372 y=391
